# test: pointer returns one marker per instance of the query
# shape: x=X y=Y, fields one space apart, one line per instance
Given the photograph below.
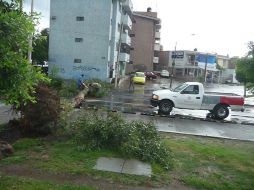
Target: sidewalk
x=249 y=101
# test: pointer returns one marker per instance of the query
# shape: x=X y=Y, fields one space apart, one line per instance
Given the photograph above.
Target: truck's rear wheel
x=165 y=107
x=221 y=112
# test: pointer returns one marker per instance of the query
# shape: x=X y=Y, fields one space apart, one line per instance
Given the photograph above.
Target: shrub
x=94 y=131
x=69 y=89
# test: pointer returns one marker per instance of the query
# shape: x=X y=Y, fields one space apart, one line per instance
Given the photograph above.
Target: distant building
x=192 y=65
x=227 y=64
x=84 y=38
x=189 y=64
x=146 y=41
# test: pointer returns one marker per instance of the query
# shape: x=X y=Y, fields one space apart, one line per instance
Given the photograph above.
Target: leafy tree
x=40 y=49
x=245 y=68
x=18 y=78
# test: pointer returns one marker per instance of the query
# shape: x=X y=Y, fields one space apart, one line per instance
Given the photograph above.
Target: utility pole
x=205 y=66
x=30 y=45
x=118 y=52
x=173 y=65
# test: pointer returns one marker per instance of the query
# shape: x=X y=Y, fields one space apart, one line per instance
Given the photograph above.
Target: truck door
x=190 y=97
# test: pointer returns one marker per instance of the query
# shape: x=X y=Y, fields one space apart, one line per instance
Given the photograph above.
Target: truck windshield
x=180 y=87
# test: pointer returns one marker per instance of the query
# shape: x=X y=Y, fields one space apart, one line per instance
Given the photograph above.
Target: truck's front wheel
x=221 y=112
x=165 y=107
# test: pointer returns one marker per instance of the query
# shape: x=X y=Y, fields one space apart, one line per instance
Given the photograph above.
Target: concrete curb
x=175 y=116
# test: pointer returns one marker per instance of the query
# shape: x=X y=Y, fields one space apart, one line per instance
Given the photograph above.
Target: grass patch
x=202 y=163
x=10 y=183
x=206 y=163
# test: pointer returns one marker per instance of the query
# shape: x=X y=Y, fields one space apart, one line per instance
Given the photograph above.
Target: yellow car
x=139 y=78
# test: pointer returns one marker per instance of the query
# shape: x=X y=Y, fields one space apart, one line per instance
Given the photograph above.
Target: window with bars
x=78 y=39
x=77 y=61
x=80 y=18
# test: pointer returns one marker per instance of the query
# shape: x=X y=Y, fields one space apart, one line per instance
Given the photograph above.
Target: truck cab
x=187 y=96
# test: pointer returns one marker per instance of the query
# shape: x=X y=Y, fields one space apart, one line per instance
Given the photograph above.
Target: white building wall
x=98 y=31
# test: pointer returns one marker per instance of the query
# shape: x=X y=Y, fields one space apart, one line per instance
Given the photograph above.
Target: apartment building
x=85 y=38
x=145 y=42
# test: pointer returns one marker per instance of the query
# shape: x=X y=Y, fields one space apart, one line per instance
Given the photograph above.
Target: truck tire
x=165 y=107
x=221 y=112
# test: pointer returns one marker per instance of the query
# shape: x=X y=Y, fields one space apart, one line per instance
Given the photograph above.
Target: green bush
x=56 y=83
x=69 y=89
x=94 y=131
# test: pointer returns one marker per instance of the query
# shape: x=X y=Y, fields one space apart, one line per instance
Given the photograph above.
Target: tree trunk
x=77 y=102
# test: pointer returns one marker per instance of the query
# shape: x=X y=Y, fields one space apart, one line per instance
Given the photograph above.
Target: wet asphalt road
x=239 y=125
x=139 y=99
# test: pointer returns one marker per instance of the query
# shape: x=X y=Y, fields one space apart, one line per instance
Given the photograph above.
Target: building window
x=80 y=18
x=78 y=39
x=77 y=61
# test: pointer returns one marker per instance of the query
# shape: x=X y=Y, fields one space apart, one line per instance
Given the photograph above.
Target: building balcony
x=157 y=35
x=156 y=60
x=124 y=57
x=126 y=39
x=127 y=23
x=158 y=26
x=128 y=6
x=157 y=47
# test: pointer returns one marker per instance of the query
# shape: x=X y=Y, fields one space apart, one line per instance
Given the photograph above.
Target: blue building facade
x=84 y=38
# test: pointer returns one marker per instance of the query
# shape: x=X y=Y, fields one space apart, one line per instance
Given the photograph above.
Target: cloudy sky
x=221 y=26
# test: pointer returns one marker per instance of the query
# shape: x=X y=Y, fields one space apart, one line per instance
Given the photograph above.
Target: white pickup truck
x=191 y=95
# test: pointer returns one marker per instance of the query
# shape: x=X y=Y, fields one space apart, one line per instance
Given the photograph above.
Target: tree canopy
x=245 y=67
x=18 y=78
x=40 y=49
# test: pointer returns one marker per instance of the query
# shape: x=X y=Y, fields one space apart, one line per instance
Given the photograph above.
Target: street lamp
x=205 y=67
x=173 y=65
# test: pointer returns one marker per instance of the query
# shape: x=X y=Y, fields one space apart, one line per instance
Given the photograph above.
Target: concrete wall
x=96 y=51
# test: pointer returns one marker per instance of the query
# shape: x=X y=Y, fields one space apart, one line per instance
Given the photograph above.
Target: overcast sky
x=220 y=26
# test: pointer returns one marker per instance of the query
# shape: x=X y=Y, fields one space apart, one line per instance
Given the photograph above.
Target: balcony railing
x=127 y=23
x=157 y=35
x=156 y=60
x=126 y=39
x=128 y=6
x=124 y=57
x=157 y=47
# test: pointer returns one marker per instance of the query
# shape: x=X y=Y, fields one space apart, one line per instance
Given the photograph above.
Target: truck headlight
x=155 y=97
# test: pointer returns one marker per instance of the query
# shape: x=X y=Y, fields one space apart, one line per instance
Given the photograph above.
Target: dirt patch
x=77 y=180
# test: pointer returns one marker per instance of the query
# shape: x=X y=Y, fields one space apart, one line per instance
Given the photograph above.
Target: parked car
x=164 y=73
x=139 y=78
x=150 y=75
x=191 y=95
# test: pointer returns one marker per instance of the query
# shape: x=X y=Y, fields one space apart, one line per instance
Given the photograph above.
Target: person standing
x=131 y=82
x=81 y=84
